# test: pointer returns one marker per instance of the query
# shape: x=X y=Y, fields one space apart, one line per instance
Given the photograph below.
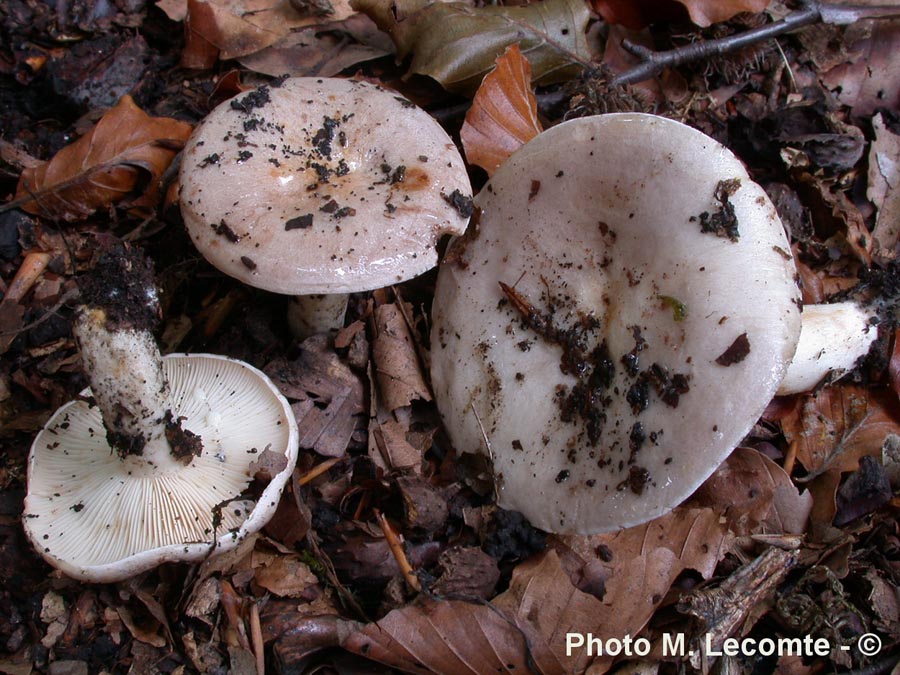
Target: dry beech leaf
x=633 y=569
x=457 y=44
x=756 y=495
x=503 y=115
x=637 y=14
x=870 y=79
x=287 y=577
x=542 y=602
x=837 y=426
x=399 y=375
x=323 y=50
x=241 y=27
x=446 y=637
x=121 y=158
x=884 y=183
x=327 y=394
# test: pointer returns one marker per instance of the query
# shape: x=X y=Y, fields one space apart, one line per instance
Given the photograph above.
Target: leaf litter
x=795 y=534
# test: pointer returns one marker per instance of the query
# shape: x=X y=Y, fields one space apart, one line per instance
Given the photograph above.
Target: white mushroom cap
x=100 y=518
x=832 y=339
x=321 y=186
x=673 y=340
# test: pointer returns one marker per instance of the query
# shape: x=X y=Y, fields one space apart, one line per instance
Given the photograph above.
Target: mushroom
x=149 y=465
x=833 y=337
x=630 y=298
x=321 y=187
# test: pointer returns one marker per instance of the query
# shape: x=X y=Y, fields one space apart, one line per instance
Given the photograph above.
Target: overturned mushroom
x=321 y=187
x=629 y=295
x=149 y=466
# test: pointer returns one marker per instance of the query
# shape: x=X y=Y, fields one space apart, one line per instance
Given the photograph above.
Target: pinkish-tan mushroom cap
x=630 y=350
x=322 y=186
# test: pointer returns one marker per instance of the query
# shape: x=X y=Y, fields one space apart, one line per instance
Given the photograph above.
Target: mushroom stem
x=311 y=314
x=833 y=338
x=124 y=369
x=123 y=365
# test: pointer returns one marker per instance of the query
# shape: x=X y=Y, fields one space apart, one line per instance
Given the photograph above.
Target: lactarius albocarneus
x=320 y=187
x=150 y=464
x=615 y=323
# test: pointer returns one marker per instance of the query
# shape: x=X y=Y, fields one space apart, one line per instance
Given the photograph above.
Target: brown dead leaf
x=632 y=570
x=445 y=637
x=756 y=495
x=241 y=27
x=833 y=211
x=870 y=79
x=884 y=183
x=837 y=426
x=322 y=50
x=504 y=113
x=122 y=158
x=544 y=604
x=397 y=369
x=285 y=576
x=327 y=393
x=636 y=14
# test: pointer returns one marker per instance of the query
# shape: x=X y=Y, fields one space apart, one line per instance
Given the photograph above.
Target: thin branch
x=653 y=62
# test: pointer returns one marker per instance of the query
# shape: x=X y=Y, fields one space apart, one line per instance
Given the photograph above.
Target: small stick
x=396 y=546
x=317 y=470
x=257 y=639
x=32 y=268
x=811 y=12
x=791 y=457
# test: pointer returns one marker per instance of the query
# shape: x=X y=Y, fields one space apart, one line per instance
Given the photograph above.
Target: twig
x=811 y=12
x=256 y=639
x=318 y=470
x=32 y=267
x=396 y=546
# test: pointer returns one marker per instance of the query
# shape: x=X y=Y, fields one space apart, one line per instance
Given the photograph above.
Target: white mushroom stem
x=311 y=314
x=832 y=339
x=124 y=369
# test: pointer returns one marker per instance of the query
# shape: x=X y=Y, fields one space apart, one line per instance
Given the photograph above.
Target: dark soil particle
x=185 y=444
x=510 y=535
x=736 y=353
x=123 y=285
x=722 y=223
x=463 y=205
x=300 y=222
x=255 y=99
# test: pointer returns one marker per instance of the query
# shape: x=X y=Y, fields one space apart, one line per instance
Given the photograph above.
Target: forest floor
x=795 y=535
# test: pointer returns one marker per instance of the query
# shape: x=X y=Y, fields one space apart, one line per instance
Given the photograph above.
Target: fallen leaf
x=457 y=44
x=633 y=569
x=322 y=50
x=121 y=158
x=635 y=14
x=465 y=572
x=287 y=576
x=884 y=183
x=445 y=637
x=544 y=604
x=756 y=496
x=328 y=396
x=504 y=113
x=870 y=79
x=397 y=369
x=838 y=425
x=241 y=27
